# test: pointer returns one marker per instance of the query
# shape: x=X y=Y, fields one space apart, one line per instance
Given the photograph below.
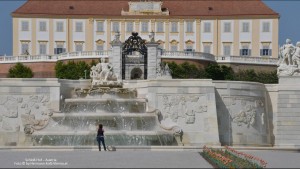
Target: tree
x=20 y=71
x=214 y=72
x=72 y=70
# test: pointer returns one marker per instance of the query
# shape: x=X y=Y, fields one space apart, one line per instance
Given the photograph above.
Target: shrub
x=217 y=72
x=72 y=70
x=186 y=71
x=20 y=71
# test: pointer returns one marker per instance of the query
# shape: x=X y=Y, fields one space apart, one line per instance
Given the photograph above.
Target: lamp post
x=85 y=74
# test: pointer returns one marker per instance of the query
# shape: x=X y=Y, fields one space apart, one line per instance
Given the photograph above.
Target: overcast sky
x=289 y=23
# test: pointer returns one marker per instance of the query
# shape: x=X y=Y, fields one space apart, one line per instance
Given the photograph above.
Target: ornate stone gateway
x=134 y=57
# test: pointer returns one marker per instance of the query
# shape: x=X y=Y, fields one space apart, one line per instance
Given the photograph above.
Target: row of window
x=245 y=51
x=207 y=28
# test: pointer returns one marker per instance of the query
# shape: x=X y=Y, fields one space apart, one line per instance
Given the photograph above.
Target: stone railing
x=164 y=55
x=247 y=60
x=54 y=58
x=187 y=55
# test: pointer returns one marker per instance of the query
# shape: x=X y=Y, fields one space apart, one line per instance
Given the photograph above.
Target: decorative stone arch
x=189 y=44
x=174 y=42
x=136 y=73
x=161 y=42
x=100 y=42
x=134 y=44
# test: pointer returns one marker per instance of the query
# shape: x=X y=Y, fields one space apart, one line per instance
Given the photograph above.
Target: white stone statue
x=102 y=74
x=163 y=72
x=296 y=56
x=287 y=51
x=289 y=62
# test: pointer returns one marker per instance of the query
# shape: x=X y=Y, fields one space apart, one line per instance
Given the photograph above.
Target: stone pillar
x=116 y=58
x=152 y=60
x=287 y=117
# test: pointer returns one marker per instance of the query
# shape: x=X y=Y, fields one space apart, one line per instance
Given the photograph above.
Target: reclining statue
x=102 y=72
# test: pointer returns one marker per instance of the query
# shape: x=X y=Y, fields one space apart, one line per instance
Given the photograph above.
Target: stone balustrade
x=164 y=55
x=247 y=60
x=187 y=55
x=54 y=58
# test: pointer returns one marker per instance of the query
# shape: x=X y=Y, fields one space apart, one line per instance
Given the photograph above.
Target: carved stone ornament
x=246 y=111
x=182 y=106
x=31 y=110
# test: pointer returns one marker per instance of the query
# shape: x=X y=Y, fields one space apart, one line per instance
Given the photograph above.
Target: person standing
x=100 y=137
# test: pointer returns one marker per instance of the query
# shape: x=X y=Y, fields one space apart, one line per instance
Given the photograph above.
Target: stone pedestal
x=116 y=58
x=152 y=60
x=288 y=116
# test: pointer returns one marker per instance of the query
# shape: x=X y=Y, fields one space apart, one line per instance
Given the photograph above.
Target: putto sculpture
x=289 y=59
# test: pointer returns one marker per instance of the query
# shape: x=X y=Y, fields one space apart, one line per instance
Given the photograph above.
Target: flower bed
x=231 y=158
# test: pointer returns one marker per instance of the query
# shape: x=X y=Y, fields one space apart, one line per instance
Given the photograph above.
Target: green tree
x=20 y=71
x=228 y=73
x=246 y=75
x=214 y=71
x=72 y=70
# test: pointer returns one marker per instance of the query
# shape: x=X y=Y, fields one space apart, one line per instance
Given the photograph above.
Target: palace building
x=221 y=27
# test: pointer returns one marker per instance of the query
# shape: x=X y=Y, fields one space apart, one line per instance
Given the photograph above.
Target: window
x=245 y=51
x=266 y=27
x=189 y=26
x=100 y=47
x=43 y=48
x=226 y=49
x=189 y=47
x=227 y=27
x=59 y=26
x=144 y=26
x=129 y=27
x=116 y=27
x=160 y=27
x=43 y=26
x=174 y=27
x=100 y=27
x=266 y=51
x=246 y=26
x=174 y=48
x=25 y=26
x=24 y=48
x=78 y=27
x=207 y=48
x=78 y=47
x=207 y=27
x=59 y=48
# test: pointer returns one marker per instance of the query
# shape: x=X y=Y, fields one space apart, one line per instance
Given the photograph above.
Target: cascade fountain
x=127 y=120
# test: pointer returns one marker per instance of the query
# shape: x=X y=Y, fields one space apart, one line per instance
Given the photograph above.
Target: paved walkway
x=130 y=159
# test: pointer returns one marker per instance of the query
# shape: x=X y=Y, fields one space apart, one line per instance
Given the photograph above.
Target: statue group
x=289 y=59
x=102 y=74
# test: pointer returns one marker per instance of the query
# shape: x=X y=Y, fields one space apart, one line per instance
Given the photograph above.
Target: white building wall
x=189 y=36
x=207 y=37
x=60 y=36
x=78 y=36
x=245 y=36
x=265 y=36
x=25 y=35
x=100 y=35
x=228 y=36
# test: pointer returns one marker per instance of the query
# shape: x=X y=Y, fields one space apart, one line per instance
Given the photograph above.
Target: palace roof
x=176 y=8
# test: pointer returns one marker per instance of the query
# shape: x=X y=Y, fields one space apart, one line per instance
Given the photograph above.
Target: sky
x=289 y=23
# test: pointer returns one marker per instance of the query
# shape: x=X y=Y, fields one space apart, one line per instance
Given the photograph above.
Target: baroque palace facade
x=221 y=27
